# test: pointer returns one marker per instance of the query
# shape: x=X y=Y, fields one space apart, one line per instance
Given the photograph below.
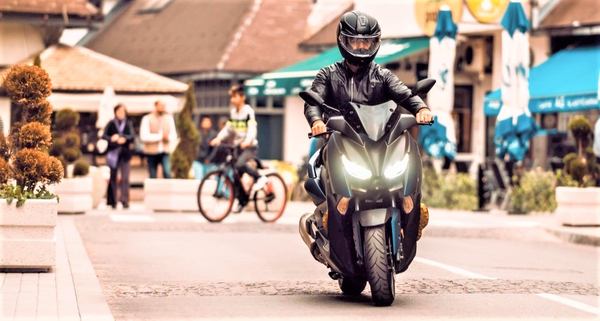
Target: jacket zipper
x=351 y=89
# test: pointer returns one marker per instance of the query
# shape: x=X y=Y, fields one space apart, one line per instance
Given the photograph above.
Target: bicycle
x=217 y=190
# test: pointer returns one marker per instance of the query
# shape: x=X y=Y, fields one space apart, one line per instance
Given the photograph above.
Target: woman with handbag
x=120 y=136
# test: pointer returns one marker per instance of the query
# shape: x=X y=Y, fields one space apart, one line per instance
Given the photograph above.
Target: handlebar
x=310 y=135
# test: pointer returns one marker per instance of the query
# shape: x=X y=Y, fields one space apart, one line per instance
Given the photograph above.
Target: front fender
x=374 y=217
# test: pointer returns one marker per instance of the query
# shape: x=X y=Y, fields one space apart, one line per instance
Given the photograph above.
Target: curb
x=572 y=235
x=90 y=299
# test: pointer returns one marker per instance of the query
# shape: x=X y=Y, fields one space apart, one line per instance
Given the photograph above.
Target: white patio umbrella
x=514 y=125
x=439 y=140
x=105 y=110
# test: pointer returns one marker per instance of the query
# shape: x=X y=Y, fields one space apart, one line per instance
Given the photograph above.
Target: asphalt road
x=178 y=267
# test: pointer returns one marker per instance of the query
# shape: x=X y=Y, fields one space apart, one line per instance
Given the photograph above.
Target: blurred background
x=136 y=52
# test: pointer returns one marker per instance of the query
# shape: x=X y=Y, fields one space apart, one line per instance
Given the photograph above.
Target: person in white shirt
x=242 y=126
x=159 y=136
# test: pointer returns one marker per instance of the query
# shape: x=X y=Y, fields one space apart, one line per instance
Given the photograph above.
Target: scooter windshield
x=374 y=118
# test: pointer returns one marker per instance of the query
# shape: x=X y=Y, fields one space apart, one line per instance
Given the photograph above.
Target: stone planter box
x=27 y=236
x=75 y=195
x=171 y=195
x=100 y=176
x=578 y=206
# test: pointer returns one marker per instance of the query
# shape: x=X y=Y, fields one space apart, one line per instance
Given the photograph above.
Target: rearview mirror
x=424 y=86
x=311 y=98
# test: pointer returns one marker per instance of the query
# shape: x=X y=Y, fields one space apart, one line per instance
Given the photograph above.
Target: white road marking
x=552 y=297
x=131 y=218
x=571 y=303
x=453 y=269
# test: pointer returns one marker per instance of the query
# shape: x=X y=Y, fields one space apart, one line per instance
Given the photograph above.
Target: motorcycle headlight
x=356 y=170
x=396 y=169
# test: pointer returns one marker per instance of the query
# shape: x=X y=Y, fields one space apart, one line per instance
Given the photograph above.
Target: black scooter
x=366 y=183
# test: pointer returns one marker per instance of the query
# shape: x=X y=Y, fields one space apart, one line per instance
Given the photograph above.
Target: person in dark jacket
x=207 y=133
x=120 y=136
x=360 y=80
x=357 y=78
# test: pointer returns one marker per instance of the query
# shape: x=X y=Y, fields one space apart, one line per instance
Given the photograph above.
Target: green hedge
x=451 y=191
x=534 y=193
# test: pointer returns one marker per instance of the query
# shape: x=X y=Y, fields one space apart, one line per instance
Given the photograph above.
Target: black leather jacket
x=370 y=85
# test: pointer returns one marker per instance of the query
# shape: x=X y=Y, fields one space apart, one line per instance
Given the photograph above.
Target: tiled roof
x=270 y=40
x=186 y=36
x=54 y=7
x=190 y=36
x=81 y=69
x=326 y=35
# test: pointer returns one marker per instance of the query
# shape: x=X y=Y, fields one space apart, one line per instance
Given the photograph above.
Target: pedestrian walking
x=159 y=137
x=120 y=136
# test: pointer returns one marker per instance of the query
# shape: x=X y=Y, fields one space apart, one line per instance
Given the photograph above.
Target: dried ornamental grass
x=27 y=84
x=54 y=171
x=29 y=167
x=35 y=135
x=5 y=171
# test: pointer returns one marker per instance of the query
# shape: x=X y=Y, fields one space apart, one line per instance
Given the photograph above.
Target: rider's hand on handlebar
x=318 y=127
x=215 y=142
x=424 y=116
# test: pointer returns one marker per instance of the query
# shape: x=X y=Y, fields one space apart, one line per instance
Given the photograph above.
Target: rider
x=357 y=78
x=242 y=125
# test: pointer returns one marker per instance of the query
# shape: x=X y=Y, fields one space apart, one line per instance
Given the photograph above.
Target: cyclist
x=242 y=126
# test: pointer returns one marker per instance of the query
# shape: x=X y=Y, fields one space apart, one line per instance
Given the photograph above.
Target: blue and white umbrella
x=439 y=140
x=514 y=125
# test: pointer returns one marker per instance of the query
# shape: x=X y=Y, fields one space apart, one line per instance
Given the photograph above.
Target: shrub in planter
x=26 y=168
x=581 y=167
x=534 y=193
x=451 y=191
x=67 y=143
x=187 y=148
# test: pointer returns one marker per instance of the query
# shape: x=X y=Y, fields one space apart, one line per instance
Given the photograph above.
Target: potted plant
x=578 y=201
x=178 y=194
x=27 y=209
x=75 y=190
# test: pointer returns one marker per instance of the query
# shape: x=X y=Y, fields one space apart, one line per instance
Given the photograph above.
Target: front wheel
x=270 y=201
x=380 y=273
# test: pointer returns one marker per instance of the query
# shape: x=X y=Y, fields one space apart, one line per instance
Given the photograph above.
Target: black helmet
x=358 y=37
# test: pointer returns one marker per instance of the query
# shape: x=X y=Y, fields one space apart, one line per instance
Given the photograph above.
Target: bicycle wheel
x=269 y=202
x=215 y=196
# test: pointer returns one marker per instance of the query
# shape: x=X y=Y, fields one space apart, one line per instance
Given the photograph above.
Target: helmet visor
x=360 y=46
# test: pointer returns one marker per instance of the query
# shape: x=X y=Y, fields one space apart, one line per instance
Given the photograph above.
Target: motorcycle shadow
x=363 y=299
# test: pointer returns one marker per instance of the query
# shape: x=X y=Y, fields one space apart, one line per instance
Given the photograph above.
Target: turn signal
x=407 y=204
x=342 y=205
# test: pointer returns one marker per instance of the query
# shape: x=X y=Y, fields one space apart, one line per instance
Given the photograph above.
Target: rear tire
x=379 y=272
x=352 y=286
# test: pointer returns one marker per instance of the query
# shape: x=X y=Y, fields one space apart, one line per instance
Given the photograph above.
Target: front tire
x=379 y=272
x=352 y=286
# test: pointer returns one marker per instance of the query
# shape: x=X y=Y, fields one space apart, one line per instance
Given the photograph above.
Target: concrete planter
x=100 y=176
x=75 y=195
x=27 y=237
x=578 y=206
x=171 y=195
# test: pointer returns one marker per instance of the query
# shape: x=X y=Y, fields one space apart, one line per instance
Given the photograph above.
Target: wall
x=18 y=41
x=295 y=130
x=5 y=113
